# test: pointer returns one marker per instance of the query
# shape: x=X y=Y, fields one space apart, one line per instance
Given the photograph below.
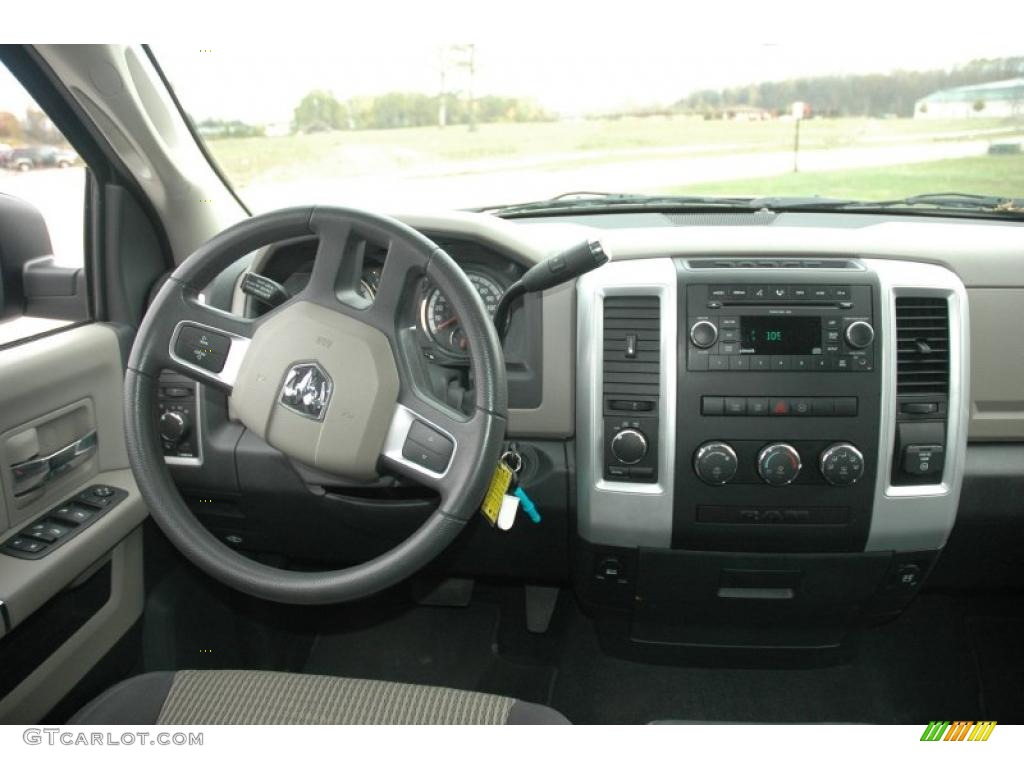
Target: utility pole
x=469 y=63
x=442 y=97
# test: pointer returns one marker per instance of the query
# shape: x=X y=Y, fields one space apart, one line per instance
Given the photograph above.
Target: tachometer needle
x=446 y=323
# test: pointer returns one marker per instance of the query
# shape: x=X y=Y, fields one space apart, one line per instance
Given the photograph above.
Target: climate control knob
x=715 y=463
x=859 y=334
x=629 y=446
x=842 y=464
x=173 y=426
x=778 y=464
x=703 y=333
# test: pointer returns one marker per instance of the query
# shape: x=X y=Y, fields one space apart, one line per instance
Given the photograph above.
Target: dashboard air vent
x=632 y=347
x=922 y=345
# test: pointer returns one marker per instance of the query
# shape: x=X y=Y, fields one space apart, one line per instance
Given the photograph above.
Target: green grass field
x=557 y=145
x=990 y=175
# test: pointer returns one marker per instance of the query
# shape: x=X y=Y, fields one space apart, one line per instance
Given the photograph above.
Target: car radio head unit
x=778 y=327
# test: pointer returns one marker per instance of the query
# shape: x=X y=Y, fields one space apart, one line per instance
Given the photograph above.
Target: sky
x=574 y=57
x=244 y=82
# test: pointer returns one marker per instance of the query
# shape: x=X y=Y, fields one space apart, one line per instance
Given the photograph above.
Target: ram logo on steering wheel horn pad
x=307 y=390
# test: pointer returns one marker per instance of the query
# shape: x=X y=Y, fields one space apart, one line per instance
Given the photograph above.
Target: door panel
x=57 y=392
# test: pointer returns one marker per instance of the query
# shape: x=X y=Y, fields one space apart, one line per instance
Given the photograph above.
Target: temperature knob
x=842 y=464
x=629 y=446
x=715 y=463
x=778 y=464
x=173 y=426
x=703 y=333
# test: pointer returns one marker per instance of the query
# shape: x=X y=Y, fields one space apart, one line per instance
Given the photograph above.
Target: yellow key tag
x=500 y=482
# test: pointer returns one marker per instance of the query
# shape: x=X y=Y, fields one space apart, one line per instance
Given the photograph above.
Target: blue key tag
x=528 y=506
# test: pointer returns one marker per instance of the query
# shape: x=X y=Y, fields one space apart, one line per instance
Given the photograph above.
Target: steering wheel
x=326 y=379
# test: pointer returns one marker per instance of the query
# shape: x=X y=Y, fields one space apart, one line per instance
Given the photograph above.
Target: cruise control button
x=426 y=436
x=424 y=457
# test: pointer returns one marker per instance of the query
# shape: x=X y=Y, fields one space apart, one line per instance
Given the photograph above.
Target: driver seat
x=253 y=697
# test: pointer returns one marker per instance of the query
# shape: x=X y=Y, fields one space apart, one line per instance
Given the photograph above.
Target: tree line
x=874 y=95
x=321 y=110
x=32 y=128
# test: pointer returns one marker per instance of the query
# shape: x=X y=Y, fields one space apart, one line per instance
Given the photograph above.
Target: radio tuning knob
x=703 y=333
x=859 y=334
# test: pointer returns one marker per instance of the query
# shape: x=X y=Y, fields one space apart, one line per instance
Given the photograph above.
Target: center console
x=770 y=452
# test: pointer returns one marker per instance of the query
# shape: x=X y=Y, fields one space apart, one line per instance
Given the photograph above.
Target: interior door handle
x=34 y=473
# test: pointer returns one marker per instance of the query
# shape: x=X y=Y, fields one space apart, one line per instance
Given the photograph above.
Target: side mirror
x=30 y=282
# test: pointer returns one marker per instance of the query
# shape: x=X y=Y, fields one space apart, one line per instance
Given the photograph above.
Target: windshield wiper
x=616 y=201
x=940 y=201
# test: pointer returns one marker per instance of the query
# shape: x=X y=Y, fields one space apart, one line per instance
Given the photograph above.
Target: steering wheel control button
x=778 y=464
x=424 y=457
x=629 y=446
x=859 y=334
x=202 y=347
x=427 y=447
x=703 y=334
x=422 y=433
x=842 y=464
x=715 y=463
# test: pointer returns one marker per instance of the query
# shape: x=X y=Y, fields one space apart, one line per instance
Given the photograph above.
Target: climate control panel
x=779 y=464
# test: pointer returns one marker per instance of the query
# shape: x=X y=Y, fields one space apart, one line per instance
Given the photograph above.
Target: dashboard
x=746 y=426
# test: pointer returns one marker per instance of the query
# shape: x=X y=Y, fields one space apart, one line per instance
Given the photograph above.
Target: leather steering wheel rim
x=477 y=438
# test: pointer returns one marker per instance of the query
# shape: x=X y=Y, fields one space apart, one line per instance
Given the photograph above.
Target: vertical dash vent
x=632 y=347
x=922 y=346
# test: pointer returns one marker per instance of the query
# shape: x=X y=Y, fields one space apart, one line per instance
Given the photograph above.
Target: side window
x=42 y=220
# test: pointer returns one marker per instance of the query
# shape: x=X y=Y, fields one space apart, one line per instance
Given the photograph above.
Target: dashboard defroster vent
x=922 y=345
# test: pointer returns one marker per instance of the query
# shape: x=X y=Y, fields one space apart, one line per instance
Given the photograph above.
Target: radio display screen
x=774 y=335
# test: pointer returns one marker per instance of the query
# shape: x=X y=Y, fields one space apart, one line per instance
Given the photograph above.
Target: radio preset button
x=739 y=363
x=718 y=363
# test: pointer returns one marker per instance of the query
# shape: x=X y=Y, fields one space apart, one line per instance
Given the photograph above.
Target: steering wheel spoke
x=428 y=444
x=202 y=342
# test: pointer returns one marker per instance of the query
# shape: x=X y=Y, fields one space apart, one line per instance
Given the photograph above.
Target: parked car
x=29 y=158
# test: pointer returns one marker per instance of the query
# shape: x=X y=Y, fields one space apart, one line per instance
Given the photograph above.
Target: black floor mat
x=914 y=670
x=999 y=650
x=454 y=647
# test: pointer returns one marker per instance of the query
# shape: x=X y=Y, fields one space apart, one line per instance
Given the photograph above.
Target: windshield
x=472 y=125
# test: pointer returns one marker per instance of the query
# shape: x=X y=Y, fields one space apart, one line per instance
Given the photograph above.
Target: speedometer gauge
x=443 y=325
